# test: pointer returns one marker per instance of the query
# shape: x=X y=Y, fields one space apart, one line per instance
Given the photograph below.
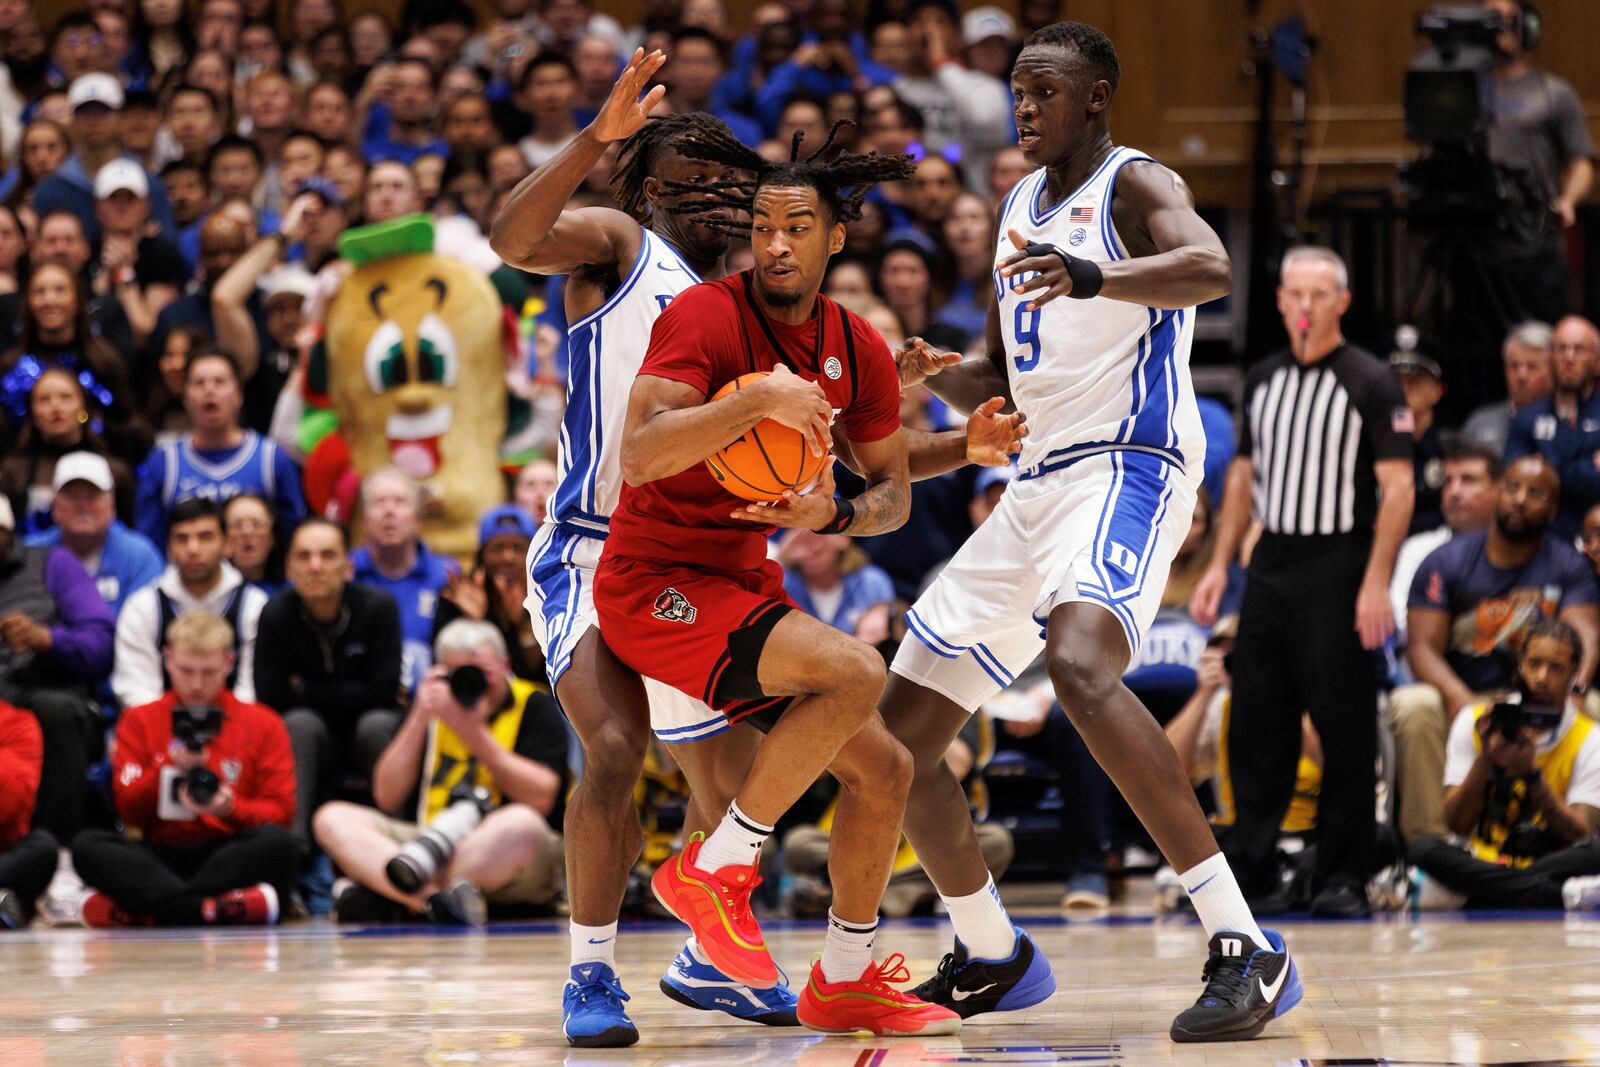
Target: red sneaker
x=255 y=906
x=716 y=906
x=98 y=910
x=872 y=1003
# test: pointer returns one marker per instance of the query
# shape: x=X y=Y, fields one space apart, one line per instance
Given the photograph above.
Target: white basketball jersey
x=1092 y=375
x=605 y=349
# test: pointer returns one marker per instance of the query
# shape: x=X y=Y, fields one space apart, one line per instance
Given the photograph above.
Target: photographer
x=472 y=725
x=27 y=858
x=1523 y=787
x=1540 y=135
x=204 y=784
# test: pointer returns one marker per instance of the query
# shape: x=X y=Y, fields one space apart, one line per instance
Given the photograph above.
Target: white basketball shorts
x=1103 y=530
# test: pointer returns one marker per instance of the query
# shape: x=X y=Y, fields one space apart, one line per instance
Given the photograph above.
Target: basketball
x=768 y=460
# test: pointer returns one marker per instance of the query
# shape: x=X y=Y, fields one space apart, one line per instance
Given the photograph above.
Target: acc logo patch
x=673 y=606
x=832 y=367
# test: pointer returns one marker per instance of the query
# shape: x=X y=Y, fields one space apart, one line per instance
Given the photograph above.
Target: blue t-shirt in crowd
x=1490 y=608
x=379 y=147
x=128 y=562
x=417 y=594
x=861 y=590
x=1570 y=449
x=177 y=471
x=1217 y=422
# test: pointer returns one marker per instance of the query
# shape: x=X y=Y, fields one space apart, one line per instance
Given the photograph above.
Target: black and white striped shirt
x=1313 y=434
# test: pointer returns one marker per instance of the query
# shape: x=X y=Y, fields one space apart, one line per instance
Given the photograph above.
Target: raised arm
x=234 y=326
x=533 y=231
x=1177 y=261
x=670 y=427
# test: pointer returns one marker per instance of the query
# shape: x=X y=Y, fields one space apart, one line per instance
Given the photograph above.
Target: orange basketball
x=768 y=460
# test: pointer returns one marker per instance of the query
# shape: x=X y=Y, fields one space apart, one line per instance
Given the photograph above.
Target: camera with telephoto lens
x=1507 y=719
x=467 y=683
x=195 y=727
x=420 y=860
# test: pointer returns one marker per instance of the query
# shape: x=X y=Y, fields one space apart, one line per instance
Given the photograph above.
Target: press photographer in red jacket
x=204 y=785
x=27 y=858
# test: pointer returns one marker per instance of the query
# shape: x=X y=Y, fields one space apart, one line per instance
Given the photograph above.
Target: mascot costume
x=412 y=368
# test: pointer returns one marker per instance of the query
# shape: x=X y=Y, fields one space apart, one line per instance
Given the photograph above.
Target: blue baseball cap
x=323 y=188
x=505 y=519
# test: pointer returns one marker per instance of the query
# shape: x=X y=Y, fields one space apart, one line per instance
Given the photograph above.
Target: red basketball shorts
x=699 y=631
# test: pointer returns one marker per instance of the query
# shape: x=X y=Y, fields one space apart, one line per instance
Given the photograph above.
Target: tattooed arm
x=886 y=467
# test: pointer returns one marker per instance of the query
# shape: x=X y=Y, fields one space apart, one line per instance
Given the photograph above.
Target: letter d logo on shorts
x=1121 y=557
x=673 y=606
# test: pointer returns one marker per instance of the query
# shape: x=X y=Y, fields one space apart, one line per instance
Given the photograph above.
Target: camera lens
x=468 y=684
x=203 y=785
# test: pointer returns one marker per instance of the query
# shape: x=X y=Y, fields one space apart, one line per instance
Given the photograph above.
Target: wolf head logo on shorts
x=673 y=606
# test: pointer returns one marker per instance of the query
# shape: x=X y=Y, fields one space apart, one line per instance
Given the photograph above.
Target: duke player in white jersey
x=1101 y=260
x=623 y=268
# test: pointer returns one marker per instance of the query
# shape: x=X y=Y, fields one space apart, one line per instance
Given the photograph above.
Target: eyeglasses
x=249 y=525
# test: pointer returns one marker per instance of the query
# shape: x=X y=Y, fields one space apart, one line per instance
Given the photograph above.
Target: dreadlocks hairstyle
x=842 y=181
x=637 y=157
x=1095 y=52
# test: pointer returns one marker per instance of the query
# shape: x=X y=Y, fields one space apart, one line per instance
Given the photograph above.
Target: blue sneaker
x=971 y=987
x=592 y=1015
x=695 y=983
x=1244 y=991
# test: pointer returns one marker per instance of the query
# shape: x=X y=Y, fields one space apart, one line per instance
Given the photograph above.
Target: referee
x=1324 y=464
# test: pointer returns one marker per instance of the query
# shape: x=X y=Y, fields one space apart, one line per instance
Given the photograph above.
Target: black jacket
x=338 y=671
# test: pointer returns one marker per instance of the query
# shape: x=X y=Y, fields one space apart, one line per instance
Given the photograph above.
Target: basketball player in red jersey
x=685 y=592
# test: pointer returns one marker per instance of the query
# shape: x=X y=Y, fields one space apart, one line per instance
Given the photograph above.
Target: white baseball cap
x=287 y=281
x=121 y=174
x=982 y=23
x=95 y=89
x=83 y=467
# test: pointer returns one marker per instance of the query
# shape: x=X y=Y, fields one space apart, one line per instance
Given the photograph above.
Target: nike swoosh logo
x=602 y=941
x=1199 y=887
x=1270 y=992
x=963 y=994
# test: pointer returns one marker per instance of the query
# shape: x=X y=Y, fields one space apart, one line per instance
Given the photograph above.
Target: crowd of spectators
x=173 y=182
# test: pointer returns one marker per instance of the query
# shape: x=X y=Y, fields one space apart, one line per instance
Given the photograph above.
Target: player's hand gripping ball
x=769 y=460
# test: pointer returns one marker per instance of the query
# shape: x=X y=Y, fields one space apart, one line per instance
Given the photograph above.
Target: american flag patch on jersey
x=1080 y=214
x=1403 y=422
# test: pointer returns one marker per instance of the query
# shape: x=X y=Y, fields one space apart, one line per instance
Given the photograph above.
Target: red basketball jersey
x=709 y=335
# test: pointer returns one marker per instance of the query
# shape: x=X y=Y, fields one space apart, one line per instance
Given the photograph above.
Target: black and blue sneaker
x=694 y=982
x=971 y=987
x=592 y=1015
x=1246 y=987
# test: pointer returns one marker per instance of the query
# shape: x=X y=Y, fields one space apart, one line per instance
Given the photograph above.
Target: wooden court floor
x=1440 y=989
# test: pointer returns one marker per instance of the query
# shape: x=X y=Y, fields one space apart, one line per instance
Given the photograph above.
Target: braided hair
x=636 y=159
x=842 y=182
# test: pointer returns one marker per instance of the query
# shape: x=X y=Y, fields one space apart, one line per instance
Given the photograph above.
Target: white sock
x=594 y=944
x=1218 y=902
x=982 y=924
x=847 y=951
x=735 y=843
